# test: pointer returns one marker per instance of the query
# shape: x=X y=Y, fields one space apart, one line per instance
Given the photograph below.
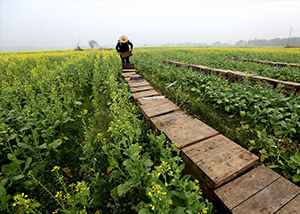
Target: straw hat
x=123 y=39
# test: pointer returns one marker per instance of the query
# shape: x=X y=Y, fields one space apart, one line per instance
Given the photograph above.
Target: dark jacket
x=123 y=47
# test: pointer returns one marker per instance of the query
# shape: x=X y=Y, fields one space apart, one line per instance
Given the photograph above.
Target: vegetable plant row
x=221 y=58
x=270 y=118
x=72 y=141
x=279 y=64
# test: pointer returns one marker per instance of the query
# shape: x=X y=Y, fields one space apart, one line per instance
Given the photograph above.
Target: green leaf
x=296 y=158
x=55 y=144
x=112 y=161
x=27 y=164
x=144 y=211
x=148 y=163
x=57 y=122
x=24 y=145
x=123 y=188
x=279 y=133
x=296 y=178
x=10 y=169
x=14 y=159
x=24 y=128
x=3 y=182
x=43 y=146
x=242 y=113
x=18 y=177
x=3 y=196
x=178 y=210
x=114 y=193
x=227 y=108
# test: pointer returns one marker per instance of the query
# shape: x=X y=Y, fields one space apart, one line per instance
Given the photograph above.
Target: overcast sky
x=64 y=23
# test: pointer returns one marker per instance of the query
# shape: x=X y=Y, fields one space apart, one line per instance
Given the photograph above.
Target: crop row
x=279 y=64
x=72 y=141
x=286 y=87
x=220 y=58
x=270 y=116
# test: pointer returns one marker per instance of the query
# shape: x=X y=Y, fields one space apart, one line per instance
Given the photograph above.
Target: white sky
x=66 y=22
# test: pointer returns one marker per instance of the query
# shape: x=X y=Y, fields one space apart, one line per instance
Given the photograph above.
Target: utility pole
x=287 y=43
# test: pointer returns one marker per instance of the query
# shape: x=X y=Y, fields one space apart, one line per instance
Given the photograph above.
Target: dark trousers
x=125 y=60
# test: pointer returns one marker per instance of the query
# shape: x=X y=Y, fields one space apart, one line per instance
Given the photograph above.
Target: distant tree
x=217 y=43
x=93 y=43
x=241 y=43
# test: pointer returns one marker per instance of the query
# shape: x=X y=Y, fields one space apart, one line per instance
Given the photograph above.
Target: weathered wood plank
x=148 y=93
x=244 y=187
x=219 y=160
x=270 y=199
x=272 y=82
x=207 y=148
x=293 y=207
x=230 y=162
x=133 y=78
x=148 y=100
x=183 y=130
x=128 y=74
x=142 y=88
x=128 y=70
x=138 y=83
x=171 y=119
x=158 y=107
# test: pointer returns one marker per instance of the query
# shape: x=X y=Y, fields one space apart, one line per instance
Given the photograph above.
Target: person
x=123 y=46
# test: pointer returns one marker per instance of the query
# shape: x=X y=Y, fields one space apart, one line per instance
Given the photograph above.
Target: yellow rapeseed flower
x=55 y=168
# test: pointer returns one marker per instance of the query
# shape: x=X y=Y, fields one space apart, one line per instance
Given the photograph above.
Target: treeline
x=294 y=41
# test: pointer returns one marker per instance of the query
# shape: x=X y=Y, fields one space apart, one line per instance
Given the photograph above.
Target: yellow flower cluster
x=22 y=199
x=81 y=187
x=56 y=168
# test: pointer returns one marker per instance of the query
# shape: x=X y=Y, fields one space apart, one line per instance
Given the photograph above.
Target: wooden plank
x=138 y=83
x=291 y=85
x=158 y=107
x=293 y=207
x=255 y=79
x=142 y=88
x=232 y=75
x=271 y=81
x=244 y=187
x=207 y=148
x=225 y=169
x=148 y=100
x=220 y=160
x=183 y=130
x=171 y=119
x=270 y=199
x=148 y=93
x=195 y=68
x=223 y=73
x=128 y=70
x=131 y=78
x=128 y=74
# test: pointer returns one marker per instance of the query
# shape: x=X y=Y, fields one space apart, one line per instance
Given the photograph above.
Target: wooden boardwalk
x=228 y=173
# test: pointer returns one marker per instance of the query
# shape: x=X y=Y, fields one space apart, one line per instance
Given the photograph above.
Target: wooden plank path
x=279 y=64
x=238 y=76
x=227 y=172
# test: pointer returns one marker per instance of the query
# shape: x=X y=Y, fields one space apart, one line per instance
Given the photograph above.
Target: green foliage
x=72 y=140
x=266 y=115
